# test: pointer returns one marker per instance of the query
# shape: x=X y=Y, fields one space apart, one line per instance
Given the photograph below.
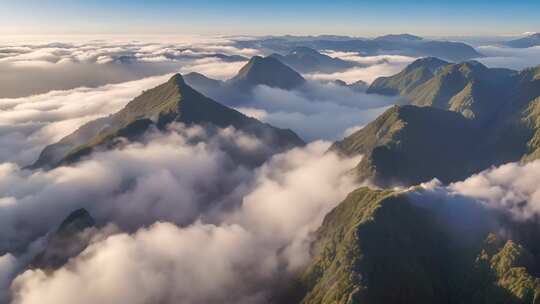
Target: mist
x=510 y=58
x=317 y=110
x=36 y=68
x=246 y=246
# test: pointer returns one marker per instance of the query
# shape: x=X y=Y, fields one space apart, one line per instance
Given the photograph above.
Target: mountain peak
x=472 y=66
x=431 y=63
x=65 y=242
x=177 y=79
x=267 y=71
x=171 y=101
x=77 y=220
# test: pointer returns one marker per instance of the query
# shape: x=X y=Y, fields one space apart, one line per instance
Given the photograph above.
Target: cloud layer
x=374 y=67
x=316 y=110
x=32 y=68
x=28 y=124
x=247 y=247
x=511 y=58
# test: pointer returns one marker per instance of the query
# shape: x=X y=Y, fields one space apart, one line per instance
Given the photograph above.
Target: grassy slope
x=171 y=101
x=500 y=105
x=379 y=247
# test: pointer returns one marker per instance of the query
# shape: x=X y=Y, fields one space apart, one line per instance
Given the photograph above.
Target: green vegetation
x=406 y=145
x=379 y=247
x=464 y=118
x=171 y=101
x=469 y=88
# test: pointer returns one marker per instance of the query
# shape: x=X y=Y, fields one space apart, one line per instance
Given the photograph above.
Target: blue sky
x=364 y=17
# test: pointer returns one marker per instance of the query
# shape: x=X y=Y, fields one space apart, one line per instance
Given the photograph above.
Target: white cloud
x=317 y=111
x=376 y=66
x=213 y=68
x=27 y=124
x=34 y=67
x=512 y=58
x=237 y=259
x=252 y=112
x=513 y=187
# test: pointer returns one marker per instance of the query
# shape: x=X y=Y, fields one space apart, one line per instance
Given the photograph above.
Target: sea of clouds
x=192 y=223
x=181 y=217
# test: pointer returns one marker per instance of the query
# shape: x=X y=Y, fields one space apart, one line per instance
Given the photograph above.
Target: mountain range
x=402 y=44
x=391 y=246
x=525 y=42
x=307 y=60
x=268 y=71
x=274 y=71
x=461 y=118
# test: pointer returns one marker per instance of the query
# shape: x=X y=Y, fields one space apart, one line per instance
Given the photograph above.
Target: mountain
x=267 y=71
x=469 y=87
x=358 y=86
x=404 y=44
x=415 y=74
x=525 y=42
x=202 y=83
x=307 y=60
x=462 y=118
x=65 y=242
x=409 y=145
x=382 y=246
x=236 y=91
x=166 y=103
x=399 y=37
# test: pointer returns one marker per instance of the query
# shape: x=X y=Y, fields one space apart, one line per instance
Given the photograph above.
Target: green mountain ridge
x=168 y=102
x=462 y=118
x=406 y=145
x=379 y=246
x=385 y=246
x=469 y=87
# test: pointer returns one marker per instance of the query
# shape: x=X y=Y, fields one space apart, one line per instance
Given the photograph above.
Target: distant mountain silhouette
x=404 y=44
x=525 y=42
x=307 y=60
x=399 y=37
